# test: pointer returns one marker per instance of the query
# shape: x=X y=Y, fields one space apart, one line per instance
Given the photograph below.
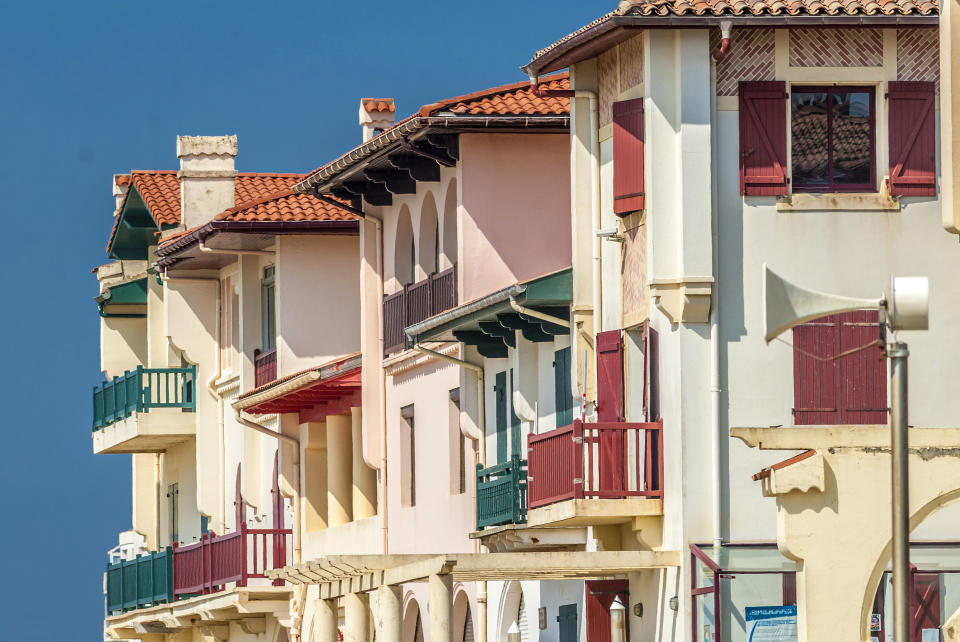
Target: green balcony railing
x=142 y=389
x=502 y=493
x=141 y=582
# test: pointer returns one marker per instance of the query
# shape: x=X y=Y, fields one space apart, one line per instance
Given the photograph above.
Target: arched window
x=429 y=237
x=404 y=260
x=449 y=246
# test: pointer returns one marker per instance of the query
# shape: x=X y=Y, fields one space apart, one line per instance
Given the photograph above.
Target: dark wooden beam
x=427 y=150
x=530 y=331
x=355 y=201
x=373 y=193
x=486 y=345
x=420 y=169
x=492 y=351
x=397 y=181
x=494 y=329
x=450 y=143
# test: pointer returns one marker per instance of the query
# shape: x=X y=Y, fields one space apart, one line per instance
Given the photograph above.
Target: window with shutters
x=408 y=458
x=832 y=139
x=610 y=376
x=763 y=138
x=836 y=379
x=628 y=183
x=563 y=387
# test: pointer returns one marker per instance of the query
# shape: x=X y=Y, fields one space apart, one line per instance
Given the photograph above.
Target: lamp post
x=900 y=487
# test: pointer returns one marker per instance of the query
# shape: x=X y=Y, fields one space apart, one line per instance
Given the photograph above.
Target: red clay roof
x=777 y=7
x=378 y=104
x=516 y=99
x=286 y=205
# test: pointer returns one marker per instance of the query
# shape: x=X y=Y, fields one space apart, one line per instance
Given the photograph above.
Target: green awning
x=130 y=293
x=490 y=323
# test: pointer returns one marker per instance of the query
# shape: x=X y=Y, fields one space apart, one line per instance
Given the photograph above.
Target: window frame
x=833 y=187
x=268 y=309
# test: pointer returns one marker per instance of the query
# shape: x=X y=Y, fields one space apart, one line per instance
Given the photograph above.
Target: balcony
x=264 y=367
x=205 y=567
x=581 y=474
x=145 y=410
x=414 y=303
x=140 y=583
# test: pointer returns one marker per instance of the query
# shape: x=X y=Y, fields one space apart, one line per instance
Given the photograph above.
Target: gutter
x=443 y=318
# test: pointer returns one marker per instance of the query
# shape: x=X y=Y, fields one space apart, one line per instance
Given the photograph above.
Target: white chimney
x=206 y=175
x=121 y=183
x=376 y=115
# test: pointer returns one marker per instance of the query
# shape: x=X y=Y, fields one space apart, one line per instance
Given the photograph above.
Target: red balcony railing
x=204 y=567
x=264 y=367
x=414 y=303
x=605 y=460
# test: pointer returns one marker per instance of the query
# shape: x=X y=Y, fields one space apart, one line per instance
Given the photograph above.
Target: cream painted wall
x=316 y=275
x=123 y=345
x=514 y=208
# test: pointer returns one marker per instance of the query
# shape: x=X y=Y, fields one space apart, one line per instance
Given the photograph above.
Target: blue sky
x=90 y=89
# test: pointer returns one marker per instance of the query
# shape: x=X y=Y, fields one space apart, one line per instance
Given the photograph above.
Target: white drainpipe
x=716 y=438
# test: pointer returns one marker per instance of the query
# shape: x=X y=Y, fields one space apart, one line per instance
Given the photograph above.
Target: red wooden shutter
x=913 y=143
x=925 y=604
x=863 y=374
x=816 y=380
x=851 y=389
x=628 y=194
x=600 y=595
x=610 y=376
x=763 y=138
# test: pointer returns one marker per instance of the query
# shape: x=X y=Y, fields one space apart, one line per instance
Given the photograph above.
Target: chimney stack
x=207 y=176
x=376 y=115
x=121 y=183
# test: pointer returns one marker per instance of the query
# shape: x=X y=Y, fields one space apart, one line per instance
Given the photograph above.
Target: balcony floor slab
x=146 y=432
x=594 y=512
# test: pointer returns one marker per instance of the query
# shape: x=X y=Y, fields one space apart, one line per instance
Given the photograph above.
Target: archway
x=428 y=244
x=404 y=249
x=511 y=606
x=412 y=620
x=462 y=618
x=448 y=249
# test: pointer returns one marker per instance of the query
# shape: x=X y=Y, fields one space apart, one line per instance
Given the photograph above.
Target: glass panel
x=851 y=138
x=744 y=559
x=706 y=627
x=809 y=139
x=935 y=557
x=742 y=591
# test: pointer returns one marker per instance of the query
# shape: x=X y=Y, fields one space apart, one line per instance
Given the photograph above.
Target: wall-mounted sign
x=771 y=623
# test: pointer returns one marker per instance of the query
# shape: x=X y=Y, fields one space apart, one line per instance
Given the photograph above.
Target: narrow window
x=563 y=391
x=408 y=459
x=173 y=497
x=413 y=262
x=226 y=324
x=610 y=376
x=457 y=445
x=832 y=134
x=436 y=247
x=515 y=439
x=500 y=392
x=268 y=305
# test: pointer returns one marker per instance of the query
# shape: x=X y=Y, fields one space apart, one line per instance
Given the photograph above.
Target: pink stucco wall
x=515 y=209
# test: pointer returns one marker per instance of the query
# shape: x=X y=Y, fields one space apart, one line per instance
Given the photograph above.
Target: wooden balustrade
x=144 y=581
x=502 y=493
x=205 y=566
x=142 y=389
x=414 y=303
x=264 y=367
x=605 y=460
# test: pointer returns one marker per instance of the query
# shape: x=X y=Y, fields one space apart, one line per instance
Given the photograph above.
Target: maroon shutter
x=913 y=144
x=763 y=138
x=863 y=374
x=851 y=389
x=628 y=195
x=925 y=603
x=600 y=595
x=610 y=376
x=816 y=380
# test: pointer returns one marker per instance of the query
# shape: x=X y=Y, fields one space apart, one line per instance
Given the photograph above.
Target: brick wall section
x=836 y=48
x=918 y=55
x=751 y=57
x=609 y=84
x=636 y=290
x=631 y=63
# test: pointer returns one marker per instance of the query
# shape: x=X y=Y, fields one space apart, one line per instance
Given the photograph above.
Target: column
x=389 y=616
x=356 y=607
x=441 y=608
x=364 y=477
x=327 y=620
x=339 y=470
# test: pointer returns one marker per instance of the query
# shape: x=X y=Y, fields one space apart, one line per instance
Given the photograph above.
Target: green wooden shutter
x=563 y=391
x=514 y=425
x=500 y=390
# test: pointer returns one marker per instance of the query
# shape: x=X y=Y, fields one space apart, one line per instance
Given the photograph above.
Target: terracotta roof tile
x=515 y=99
x=776 y=7
x=286 y=206
x=378 y=104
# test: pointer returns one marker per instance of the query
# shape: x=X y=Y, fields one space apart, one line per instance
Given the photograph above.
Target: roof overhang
x=240 y=235
x=610 y=30
x=490 y=323
x=134 y=229
x=427 y=142
x=314 y=394
x=338 y=575
x=126 y=299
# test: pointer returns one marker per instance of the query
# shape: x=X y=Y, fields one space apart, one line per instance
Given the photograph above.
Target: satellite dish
x=786 y=304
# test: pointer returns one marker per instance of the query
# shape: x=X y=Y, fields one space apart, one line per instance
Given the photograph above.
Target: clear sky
x=89 y=89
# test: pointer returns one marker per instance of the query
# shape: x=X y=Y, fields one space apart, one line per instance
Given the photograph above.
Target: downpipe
x=716 y=437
